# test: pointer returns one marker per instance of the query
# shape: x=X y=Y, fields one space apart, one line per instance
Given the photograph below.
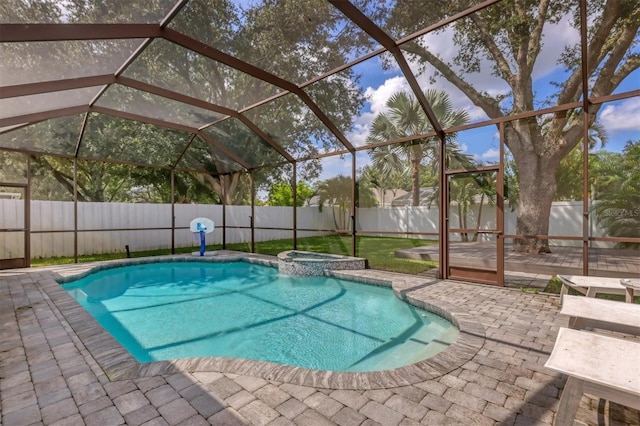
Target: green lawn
x=555 y=285
x=378 y=250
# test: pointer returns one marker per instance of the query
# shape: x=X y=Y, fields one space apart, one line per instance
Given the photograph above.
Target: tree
x=464 y=191
x=386 y=179
x=281 y=194
x=337 y=193
x=508 y=36
x=274 y=36
x=570 y=168
x=616 y=186
x=462 y=194
x=98 y=181
x=407 y=118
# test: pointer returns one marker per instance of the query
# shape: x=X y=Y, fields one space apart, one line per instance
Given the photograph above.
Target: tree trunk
x=462 y=220
x=226 y=185
x=478 y=218
x=537 y=157
x=415 y=181
x=340 y=221
x=537 y=189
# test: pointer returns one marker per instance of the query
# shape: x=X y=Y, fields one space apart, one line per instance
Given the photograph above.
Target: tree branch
x=488 y=104
x=114 y=193
x=60 y=177
x=64 y=179
x=625 y=70
x=535 y=41
x=492 y=47
x=595 y=53
x=573 y=133
x=608 y=78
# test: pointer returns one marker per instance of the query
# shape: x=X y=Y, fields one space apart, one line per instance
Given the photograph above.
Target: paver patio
x=49 y=376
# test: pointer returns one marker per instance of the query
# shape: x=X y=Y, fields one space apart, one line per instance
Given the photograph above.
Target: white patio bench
x=590 y=286
x=602 y=366
x=588 y=312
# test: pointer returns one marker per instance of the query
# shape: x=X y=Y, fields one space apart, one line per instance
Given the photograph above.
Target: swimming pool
x=165 y=311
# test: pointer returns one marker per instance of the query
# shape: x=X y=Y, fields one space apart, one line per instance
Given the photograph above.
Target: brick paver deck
x=48 y=374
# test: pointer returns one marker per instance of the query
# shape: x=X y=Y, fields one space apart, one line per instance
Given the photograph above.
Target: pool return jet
x=201 y=226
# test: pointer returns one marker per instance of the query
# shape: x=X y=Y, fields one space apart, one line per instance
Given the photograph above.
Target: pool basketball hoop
x=201 y=226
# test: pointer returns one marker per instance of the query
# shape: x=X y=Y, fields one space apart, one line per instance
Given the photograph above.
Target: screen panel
x=614 y=184
x=104 y=11
x=292 y=40
x=107 y=137
x=204 y=156
x=247 y=145
x=122 y=98
x=53 y=136
x=31 y=104
x=33 y=62
x=294 y=126
x=491 y=74
x=175 y=68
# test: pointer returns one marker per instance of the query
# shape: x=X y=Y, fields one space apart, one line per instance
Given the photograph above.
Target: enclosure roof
x=220 y=86
x=203 y=85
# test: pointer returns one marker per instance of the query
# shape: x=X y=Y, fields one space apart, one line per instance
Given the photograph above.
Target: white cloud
x=358 y=136
x=334 y=166
x=377 y=99
x=490 y=154
x=623 y=116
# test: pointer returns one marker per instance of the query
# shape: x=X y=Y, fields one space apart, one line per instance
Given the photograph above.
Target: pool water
x=164 y=311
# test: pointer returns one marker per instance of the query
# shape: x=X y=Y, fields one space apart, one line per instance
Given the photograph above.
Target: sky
x=621 y=119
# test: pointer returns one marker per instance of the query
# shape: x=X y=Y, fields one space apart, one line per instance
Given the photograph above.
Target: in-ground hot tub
x=309 y=264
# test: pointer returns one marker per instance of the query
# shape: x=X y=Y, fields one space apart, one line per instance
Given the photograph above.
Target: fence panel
x=566 y=219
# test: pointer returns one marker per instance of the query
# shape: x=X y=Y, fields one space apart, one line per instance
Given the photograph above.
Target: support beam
x=294 y=187
x=233 y=62
x=361 y=20
x=173 y=212
x=12 y=33
x=218 y=55
x=143 y=119
x=45 y=115
x=210 y=140
x=170 y=94
x=55 y=86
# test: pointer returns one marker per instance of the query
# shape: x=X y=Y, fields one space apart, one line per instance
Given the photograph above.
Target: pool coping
x=118 y=364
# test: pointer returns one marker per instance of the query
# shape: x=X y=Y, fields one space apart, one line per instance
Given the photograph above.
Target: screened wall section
x=479 y=141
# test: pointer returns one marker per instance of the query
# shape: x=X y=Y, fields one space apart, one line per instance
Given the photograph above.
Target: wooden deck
x=561 y=260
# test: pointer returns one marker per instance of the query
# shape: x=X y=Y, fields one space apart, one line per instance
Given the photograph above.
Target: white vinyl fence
x=106 y=227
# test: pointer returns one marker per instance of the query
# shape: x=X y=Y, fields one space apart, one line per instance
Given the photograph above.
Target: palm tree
x=383 y=181
x=336 y=192
x=616 y=189
x=464 y=189
x=569 y=172
x=406 y=118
